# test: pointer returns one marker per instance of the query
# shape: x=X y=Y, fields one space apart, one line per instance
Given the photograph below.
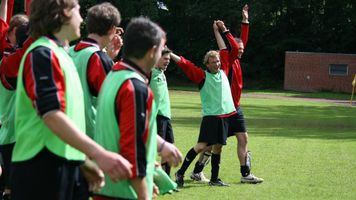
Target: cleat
x=251 y=179
x=217 y=182
x=179 y=180
x=200 y=177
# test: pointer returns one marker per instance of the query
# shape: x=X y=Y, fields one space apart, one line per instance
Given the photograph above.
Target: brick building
x=309 y=72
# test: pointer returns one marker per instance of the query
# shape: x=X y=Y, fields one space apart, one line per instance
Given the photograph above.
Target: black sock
x=245 y=170
x=199 y=166
x=215 y=166
x=187 y=160
x=167 y=168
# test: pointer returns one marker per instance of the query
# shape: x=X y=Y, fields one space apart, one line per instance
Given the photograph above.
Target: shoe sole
x=251 y=182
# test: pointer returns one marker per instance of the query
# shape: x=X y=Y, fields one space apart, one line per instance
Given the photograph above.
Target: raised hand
x=115 y=44
x=245 y=14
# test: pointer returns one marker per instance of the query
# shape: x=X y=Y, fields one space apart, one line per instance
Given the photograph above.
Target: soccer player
x=8 y=31
x=158 y=84
x=126 y=113
x=230 y=59
x=92 y=63
x=8 y=75
x=49 y=115
x=217 y=106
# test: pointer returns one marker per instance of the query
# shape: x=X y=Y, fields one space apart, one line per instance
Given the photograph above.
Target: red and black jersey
x=230 y=63
x=133 y=106
x=99 y=65
x=5 y=46
x=194 y=73
x=44 y=79
x=10 y=66
x=197 y=75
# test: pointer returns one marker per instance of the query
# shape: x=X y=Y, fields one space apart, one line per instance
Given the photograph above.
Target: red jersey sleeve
x=10 y=66
x=133 y=107
x=44 y=80
x=193 y=72
x=244 y=33
x=99 y=65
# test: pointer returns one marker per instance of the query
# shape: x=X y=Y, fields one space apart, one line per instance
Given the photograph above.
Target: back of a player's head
x=210 y=54
x=47 y=16
x=18 y=20
x=101 y=18
x=140 y=36
x=22 y=33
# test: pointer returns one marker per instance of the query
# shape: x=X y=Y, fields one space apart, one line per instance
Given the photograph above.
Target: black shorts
x=164 y=128
x=213 y=130
x=237 y=123
x=43 y=177
x=6 y=154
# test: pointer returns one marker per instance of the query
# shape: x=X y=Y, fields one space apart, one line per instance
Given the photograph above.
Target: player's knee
x=242 y=139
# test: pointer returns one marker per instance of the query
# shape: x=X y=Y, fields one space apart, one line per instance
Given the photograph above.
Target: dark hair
x=18 y=20
x=22 y=33
x=47 y=16
x=166 y=50
x=141 y=35
x=101 y=18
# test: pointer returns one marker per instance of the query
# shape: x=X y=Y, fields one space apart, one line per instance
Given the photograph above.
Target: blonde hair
x=209 y=54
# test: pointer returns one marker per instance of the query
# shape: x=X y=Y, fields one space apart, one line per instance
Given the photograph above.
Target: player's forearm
x=140 y=187
x=66 y=130
x=219 y=40
x=3 y=10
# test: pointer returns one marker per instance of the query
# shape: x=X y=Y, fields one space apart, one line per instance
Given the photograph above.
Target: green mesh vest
x=32 y=134
x=108 y=134
x=7 y=115
x=80 y=59
x=159 y=87
x=215 y=95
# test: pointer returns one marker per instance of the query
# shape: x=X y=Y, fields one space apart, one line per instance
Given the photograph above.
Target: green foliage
x=276 y=26
x=303 y=150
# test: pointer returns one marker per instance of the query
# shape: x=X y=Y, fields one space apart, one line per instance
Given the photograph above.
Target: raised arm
x=218 y=38
x=3 y=10
x=193 y=72
x=244 y=25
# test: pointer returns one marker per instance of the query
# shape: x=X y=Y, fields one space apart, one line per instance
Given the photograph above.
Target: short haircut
x=166 y=50
x=210 y=54
x=18 y=20
x=47 y=16
x=22 y=33
x=101 y=18
x=141 y=35
x=238 y=40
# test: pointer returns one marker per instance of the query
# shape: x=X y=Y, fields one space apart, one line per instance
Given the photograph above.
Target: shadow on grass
x=293 y=121
x=328 y=122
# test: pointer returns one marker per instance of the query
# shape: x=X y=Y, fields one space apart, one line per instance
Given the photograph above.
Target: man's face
x=241 y=50
x=213 y=64
x=163 y=62
x=74 y=22
x=158 y=52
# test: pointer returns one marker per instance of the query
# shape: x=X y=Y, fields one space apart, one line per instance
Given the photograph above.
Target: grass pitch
x=303 y=149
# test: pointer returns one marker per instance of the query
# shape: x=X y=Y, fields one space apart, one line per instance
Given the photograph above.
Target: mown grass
x=303 y=149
